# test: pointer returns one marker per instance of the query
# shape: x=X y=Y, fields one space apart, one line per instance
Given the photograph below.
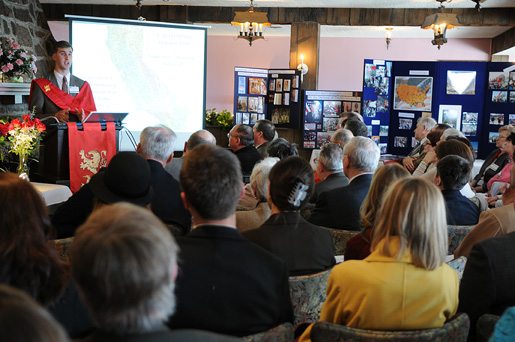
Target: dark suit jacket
x=248 y=157
x=339 y=208
x=166 y=201
x=305 y=248
x=460 y=210
x=333 y=181
x=489 y=278
x=227 y=284
x=162 y=334
x=44 y=106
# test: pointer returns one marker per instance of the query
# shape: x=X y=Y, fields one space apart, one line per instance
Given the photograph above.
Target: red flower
x=39 y=125
x=15 y=123
x=4 y=129
x=26 y=117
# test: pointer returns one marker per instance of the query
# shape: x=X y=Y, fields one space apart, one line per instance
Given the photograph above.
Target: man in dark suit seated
x=124 y=264
x=339 y=208
x=226 y=284
x=264 y=133
x=452 y=174
x=241 y=140
x=329 y=170
x=156 y=146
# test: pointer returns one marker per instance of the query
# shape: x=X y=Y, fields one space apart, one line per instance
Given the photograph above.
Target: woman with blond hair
x=404 y=284
x=358 y=247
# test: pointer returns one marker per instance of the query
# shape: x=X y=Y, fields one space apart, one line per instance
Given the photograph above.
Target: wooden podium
x=54 y=163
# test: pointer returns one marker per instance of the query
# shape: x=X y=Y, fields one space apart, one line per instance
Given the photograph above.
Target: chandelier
x=440 y=22
x=251 y=23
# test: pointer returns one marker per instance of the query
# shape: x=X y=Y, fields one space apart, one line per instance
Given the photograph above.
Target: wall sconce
x=303 y=68
x=388 y=36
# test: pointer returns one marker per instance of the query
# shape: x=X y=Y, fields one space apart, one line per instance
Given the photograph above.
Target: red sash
x=83 y=100
x=90 y=150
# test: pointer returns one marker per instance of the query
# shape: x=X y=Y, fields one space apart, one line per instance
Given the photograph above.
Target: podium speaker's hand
x=63 y=115
x=81 y=114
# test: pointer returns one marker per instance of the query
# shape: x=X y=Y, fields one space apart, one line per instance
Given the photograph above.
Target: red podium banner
x=90 y=150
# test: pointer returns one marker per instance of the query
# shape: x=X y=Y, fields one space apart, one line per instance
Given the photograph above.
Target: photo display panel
x=154 y=71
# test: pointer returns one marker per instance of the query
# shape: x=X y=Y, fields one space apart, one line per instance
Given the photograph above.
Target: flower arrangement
x=15 y=61
x=223 y=119
x=23 y=136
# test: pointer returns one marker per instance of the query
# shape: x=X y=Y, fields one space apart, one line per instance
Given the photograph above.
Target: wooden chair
x=308 y=293
x=281 y=333
x=455 y=235
x=456 y=330
x=63 y=247
x=458 y=265
x=340 y=238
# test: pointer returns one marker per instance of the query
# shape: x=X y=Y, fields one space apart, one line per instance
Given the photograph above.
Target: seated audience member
x=453 y=172
x=404 y=284
x=429 y=161
x=127 y=178
x=29 y=261
x=156 y=146
x=241 y=140
x=256 y=197
x=345 y=116
x=451 y=133
x=424 y=126
x=329 y=170
x=503 y=176
x=495 y=161
x=264 y=133
x=124 y=261
x=339 y=208
x=341 y=137
x=304 y=247
x=504 y=328
x=492 y=223
x=281 y=148
x=199 y=137
x=22 y=319
x=358 y=247
x=357 y=127
x=226 y=284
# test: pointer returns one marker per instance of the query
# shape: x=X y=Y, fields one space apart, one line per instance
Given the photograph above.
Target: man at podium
x=61 y=94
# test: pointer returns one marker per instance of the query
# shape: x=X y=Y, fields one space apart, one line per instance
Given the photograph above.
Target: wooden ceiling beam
x=278 y=15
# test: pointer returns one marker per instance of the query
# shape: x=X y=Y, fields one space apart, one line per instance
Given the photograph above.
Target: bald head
x=199 y=138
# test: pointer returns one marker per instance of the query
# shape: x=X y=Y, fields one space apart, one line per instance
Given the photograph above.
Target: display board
x=321 y=112
x=267 y=94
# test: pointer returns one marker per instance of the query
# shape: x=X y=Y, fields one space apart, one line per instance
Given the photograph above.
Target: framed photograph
x=256 y=104
x=286 y=99
x=257 y=86
x=369 y=130
x=469 y=129
x=450 y=114
x=461 y=82
x=499 y=96
x=271 y=86
x=253 y=118
x=286 y=84
x=242 y=103
x=284 y=115
x=405 y=123
x=295 y=82
x=261 y=116
x=347 y=107
x=323 y=138
x=382 y=104
x=511 y=119
x=310 y=126
x=369 y=109
x=295 y=95
x=492 y=137
x=313 y=111
x=498 y=80
x=383 y=131
x=356 y=107
x=245 y=118
x=413 y=93
x=332 y=108
x=279 y=85
x=275 y=116
x=383 y=147
x=238 y=118
x=470 y=117
x=512 y=96
x=400 y=142
x=496 y=119
x=278 y=99
x=242 y=85
x=330 y=124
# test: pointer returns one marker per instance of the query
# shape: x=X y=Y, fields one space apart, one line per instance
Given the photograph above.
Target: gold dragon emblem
x=92 y=161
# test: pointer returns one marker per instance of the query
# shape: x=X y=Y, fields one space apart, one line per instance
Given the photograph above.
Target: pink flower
x=10 y=66
x=19 y=62
x=23 y=55
x=5 y=68
x=15 y=45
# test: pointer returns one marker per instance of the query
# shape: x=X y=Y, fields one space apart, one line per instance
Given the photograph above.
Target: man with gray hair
x=424 y=126
x=197 y=138
x=339 y=208
x=329 y=170
x=241 y=140
x=124 y=262
x=341 y=136
x=156 y=146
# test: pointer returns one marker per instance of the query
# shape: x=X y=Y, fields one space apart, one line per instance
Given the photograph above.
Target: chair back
x=485 y=327
x=308 y=293
x=455 y=235
x=458 y=265
x=63 y=247
x=281 y=333
x=455 y=330
x=340 y=238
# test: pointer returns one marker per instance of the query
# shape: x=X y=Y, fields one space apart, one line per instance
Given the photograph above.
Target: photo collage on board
x=283 y=92
x=502 y=87
x=252 y=92
x=322 y=112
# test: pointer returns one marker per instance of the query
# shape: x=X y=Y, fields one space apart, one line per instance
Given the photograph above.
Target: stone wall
x=24 y=20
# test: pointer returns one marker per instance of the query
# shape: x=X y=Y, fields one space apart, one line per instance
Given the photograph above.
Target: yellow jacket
x=383 y=293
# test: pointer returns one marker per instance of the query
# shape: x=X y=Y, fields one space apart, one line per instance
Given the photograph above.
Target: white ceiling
x=300 y=3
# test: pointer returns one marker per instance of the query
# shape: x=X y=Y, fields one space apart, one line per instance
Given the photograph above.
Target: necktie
x=65 y=85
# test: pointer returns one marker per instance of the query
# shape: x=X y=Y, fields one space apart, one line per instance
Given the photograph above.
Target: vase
x=13 y=79
x=23 y=166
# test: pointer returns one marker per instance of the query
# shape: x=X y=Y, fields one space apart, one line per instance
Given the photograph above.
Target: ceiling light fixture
x=251 y=23
x=139 y=6
x=440 y=22
x=478 y=4
x=388 y=36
